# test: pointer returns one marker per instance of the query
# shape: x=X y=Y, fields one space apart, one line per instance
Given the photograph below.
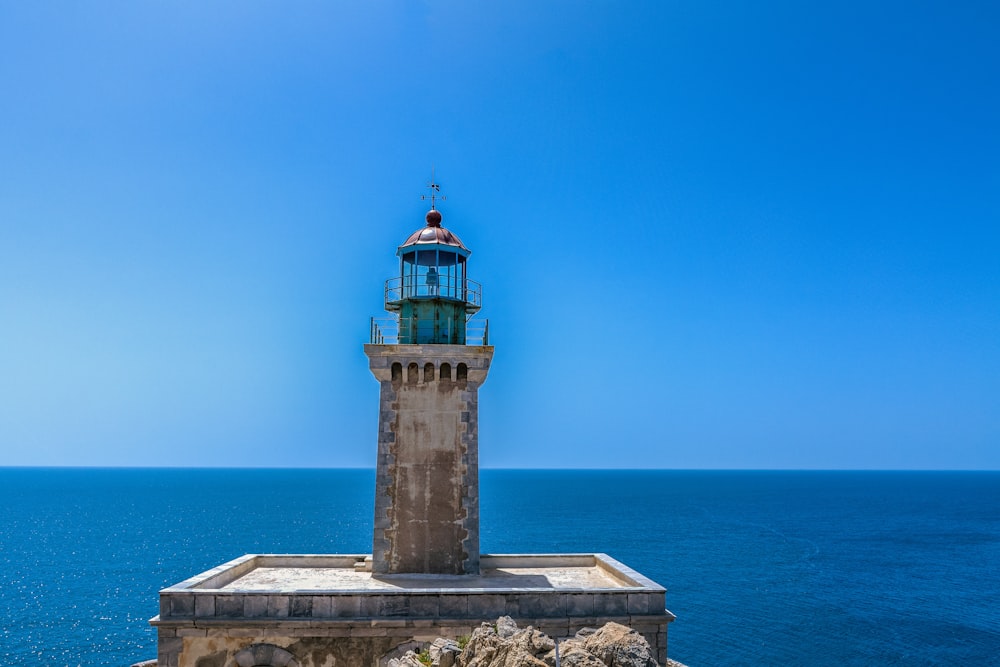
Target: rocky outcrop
x=503 y=644
x=613 y=645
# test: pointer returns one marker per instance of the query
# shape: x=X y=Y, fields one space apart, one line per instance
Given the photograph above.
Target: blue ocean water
x=769 y=568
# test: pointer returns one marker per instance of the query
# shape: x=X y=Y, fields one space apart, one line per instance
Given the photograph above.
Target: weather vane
x=435 y=192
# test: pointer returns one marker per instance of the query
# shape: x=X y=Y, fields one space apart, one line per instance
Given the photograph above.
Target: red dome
x=433 y=233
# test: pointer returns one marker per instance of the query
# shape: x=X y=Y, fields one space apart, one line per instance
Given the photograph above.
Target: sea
x=761 y=568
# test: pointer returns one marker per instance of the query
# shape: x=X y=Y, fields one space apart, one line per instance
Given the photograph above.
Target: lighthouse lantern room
x=432 y=296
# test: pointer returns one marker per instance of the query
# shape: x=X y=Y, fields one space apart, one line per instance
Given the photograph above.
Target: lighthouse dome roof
x=433 y=233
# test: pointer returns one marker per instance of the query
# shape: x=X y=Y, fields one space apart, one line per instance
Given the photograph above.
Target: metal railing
x=386 y=331
x=444 y=287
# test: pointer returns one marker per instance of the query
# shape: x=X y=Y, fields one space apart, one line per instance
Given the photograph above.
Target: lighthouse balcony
x=398 y=330
x=444 y=288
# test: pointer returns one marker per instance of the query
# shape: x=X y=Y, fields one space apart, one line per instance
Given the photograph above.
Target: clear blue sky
x=711 y=234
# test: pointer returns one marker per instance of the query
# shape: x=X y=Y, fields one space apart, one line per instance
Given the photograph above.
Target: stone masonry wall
x=355 y=643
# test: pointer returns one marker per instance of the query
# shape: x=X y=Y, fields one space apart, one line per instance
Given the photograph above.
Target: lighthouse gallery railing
x=433 y=287
x=386 y=331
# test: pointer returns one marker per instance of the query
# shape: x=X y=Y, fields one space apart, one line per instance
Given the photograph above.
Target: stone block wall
x=356 y=642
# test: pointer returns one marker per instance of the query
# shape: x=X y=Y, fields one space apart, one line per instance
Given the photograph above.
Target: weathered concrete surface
x=427 y=473
x=274 y=650
x=326 y=578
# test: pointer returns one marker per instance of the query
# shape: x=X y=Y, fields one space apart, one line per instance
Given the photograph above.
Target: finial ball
x=433 y=218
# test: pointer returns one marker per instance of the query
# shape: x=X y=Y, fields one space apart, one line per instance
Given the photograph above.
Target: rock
x=482 y=647
x=574 y=655
x=506 y=627
x=447 y=659
x=619 y=646
x=565 y=646
x=522 y=650
x=443 y=652
x=408 y=659
x=391 y=659
x=504 y=645
x=532 y=641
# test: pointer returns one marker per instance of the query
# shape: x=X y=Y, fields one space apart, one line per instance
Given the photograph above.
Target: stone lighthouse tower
x=425 y=578
x=429 y=373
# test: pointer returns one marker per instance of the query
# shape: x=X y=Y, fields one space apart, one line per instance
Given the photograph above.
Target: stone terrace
x=338 y=596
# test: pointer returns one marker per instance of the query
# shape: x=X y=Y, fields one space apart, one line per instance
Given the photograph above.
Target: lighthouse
x=429 y=363
x=425 y=577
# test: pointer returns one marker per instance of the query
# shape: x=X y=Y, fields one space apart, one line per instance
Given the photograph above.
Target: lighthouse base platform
x=324 y=610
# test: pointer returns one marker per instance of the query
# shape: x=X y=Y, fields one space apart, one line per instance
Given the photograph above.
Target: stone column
x=427 y=484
